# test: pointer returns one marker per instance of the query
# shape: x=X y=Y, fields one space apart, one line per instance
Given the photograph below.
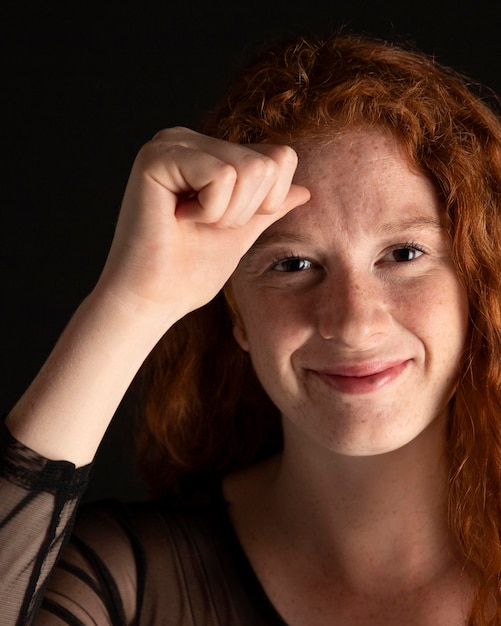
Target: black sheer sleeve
x=38 y=499
x=175 y=562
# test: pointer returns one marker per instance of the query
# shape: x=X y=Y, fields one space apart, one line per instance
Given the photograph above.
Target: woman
x=362 y=487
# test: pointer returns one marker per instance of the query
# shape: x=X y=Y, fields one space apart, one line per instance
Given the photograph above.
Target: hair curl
x=204 y=410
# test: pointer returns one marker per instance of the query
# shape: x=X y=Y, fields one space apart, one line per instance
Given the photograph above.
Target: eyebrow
x=422 y=222
x=425 y=222
x=271 y=238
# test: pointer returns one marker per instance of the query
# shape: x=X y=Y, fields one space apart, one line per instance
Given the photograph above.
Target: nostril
x=354 y=319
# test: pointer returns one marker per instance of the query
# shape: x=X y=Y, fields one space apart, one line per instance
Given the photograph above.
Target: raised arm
x=192 y=207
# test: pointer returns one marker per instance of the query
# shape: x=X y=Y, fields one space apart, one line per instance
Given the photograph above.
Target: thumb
x=298 y=195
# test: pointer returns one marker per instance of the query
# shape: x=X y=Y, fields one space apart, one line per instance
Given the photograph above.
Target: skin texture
x=355 y=320
x=188 y=197
x=350 y=306
x=359 y=352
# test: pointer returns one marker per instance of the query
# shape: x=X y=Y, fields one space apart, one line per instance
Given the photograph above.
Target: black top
x=174 y=563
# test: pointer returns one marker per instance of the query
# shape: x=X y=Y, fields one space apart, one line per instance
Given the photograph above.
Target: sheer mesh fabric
x=38 y=499
x=172 y=563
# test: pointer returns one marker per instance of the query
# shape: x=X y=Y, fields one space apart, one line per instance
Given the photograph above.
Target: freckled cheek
x=449 y=302
x=274 y=326
x=437 y=314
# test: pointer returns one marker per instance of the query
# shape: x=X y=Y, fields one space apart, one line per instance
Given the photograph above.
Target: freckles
x=426 y=305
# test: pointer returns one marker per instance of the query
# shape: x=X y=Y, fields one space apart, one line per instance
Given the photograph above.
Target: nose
x=354 y=311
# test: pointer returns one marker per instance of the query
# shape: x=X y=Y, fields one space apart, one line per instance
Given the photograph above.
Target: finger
x=297 y=196
x=259 y=222
x=223 y=194
x=220 y=182
x=286 y=159
x=185 y=174
x=264 y=175
x=228 y=179
x=256 y=176
x=275 y=200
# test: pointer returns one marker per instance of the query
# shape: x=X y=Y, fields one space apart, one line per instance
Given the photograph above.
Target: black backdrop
x=84 y=84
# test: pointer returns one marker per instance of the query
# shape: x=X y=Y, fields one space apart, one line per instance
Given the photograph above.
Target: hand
x=192 y=208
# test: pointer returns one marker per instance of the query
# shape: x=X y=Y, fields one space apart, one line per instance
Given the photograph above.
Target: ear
x=240 y=334
x=238 y=325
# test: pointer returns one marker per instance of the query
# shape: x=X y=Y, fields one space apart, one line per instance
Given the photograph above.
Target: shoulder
x=171 y=557
x=177 y=557
x=155 y=539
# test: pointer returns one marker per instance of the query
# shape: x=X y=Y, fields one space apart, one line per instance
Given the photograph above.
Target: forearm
x=192 y=207
x=64 y=413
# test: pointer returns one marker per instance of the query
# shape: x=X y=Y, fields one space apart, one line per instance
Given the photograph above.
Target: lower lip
x=354 y=385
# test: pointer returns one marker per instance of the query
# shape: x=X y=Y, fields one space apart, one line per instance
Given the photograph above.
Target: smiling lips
x=362 y=379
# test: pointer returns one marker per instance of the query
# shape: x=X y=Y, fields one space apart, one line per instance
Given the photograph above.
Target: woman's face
x=350 y=306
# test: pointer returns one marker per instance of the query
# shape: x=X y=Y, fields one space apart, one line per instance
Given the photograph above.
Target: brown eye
x=401 y=255
x=292 y=264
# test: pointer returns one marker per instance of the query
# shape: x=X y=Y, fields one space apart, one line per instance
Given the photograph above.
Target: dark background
x=85 y=84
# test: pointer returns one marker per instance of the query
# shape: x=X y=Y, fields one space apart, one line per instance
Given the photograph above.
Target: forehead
x=353 y=151
x=358 y=180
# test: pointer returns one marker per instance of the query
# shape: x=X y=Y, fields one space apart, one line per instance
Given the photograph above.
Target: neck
x=364 y=516
x=348 y=539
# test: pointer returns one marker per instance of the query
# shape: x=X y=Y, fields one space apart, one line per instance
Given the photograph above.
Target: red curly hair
x=204 y=410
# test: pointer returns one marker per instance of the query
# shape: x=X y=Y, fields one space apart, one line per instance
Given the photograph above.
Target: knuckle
x=229 y=224
x=290 y=155
x=172 y=134
x=260 y=167
x=145 y=154
x=226 y=173
x=154 y=151
x=268 y=208
x=172 y=139
x=285 y=155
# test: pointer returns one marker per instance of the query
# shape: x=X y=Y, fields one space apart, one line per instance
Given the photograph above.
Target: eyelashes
x=404 y=253
x=291 y=262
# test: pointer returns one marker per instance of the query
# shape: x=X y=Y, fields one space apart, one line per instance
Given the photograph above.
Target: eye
x=291 y=264
x=403 y=253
